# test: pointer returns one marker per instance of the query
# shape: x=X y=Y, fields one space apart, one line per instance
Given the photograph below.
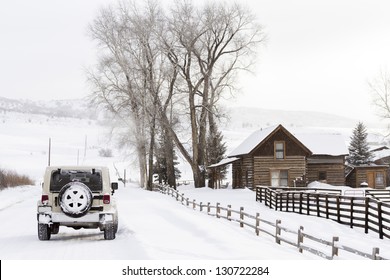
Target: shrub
x=12 y=179
x=105 y=152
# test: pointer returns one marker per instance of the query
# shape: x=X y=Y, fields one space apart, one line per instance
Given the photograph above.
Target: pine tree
x=161 y=164
x=359 y=152
x=216 y=150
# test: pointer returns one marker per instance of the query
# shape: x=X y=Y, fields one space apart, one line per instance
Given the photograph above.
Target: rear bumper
x=46 y=216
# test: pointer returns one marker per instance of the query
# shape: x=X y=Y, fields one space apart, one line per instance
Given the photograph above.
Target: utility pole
x=48 y=161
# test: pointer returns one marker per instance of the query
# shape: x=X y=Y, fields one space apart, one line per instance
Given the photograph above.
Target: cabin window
x=322 y=176
x=279 y=150
x=279 y=178
x=379 y=179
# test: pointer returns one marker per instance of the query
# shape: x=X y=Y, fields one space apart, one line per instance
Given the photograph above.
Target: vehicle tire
x=109 y=231
x=44 y=232
x=75 y=199
x=116 y=222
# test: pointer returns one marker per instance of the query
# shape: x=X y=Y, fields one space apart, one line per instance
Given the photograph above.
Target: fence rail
x=364 y=212
x=281 y=235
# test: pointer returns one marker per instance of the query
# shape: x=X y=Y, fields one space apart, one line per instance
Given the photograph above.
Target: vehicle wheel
x=54 y=228
x=116 y=222
x=44 y=232
x=109 y=231
x=75 y=199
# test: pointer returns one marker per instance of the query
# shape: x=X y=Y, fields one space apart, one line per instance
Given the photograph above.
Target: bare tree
x=212 y=43
x=380 y=90
x=124 y=79
x=154 y=67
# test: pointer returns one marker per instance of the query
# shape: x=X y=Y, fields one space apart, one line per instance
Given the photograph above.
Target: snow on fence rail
x=365 y=212
x=322 y=248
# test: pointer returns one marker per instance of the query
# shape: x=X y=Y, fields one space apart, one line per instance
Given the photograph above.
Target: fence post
x=277 y=198
x=229 y=213
x=182 y=197
x=277 y=231
x=287 y=202
x=193 y=204
x=259 y=193
x=218 y=211
x=201 y=206
x=257 y=223
x=335 y=249
x=266 y=196
x=208 y=208
x=308 y=204
x=366 y=201
x=338 y=209
x=300 y=238
x=293 y=201
x=300 y=202
x=177 y=196
x=380 y=219
x=351 y=214
x=327 y=206
x=241 y=216
x=187 y=202
x=318 y=204
x=375 y=253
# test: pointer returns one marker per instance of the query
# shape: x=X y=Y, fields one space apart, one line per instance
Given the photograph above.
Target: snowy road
x=19 y=240
x=151 y=226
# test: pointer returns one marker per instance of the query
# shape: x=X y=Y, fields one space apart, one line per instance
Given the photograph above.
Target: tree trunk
x=151 y=154
x=170 y=160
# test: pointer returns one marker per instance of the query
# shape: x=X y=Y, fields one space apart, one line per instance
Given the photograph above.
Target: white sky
x=319 y=54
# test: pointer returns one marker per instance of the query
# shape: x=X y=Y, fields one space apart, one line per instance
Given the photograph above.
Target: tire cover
x=75 y=199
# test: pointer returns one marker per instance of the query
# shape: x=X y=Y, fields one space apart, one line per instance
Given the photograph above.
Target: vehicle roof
x=76 y=167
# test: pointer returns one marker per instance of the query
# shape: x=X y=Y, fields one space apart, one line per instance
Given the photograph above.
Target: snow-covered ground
x=152 y=226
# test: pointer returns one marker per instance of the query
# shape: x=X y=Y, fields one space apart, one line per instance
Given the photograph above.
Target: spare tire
x=75 y=199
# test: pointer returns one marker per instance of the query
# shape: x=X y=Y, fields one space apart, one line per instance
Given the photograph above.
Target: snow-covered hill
x=255 y=118
x=74 y=108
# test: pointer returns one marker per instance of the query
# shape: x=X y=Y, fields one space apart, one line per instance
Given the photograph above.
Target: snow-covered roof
x=381 y=154
x=224 y=162
x=324 y=143
x=252 y=141
x=318 y=143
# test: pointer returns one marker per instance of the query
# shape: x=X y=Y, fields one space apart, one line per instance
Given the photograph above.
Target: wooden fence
x=324 y=248
x=364 y=212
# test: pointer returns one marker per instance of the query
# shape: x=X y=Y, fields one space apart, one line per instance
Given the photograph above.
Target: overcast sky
x=319 y=55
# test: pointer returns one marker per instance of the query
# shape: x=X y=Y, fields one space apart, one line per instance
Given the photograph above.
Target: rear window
x=61 y=177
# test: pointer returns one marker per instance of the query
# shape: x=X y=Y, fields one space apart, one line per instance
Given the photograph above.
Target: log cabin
x=276 y=157
x=368 y=175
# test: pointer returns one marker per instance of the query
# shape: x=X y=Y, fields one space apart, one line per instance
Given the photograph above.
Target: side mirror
x=114 y=187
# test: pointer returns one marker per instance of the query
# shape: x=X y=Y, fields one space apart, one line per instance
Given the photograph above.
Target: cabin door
x=371 y=179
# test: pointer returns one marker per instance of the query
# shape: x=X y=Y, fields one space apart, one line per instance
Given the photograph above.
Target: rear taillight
x=45 y=198
x=106 y=198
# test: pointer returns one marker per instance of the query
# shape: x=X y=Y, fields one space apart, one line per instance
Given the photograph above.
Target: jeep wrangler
x=77 y=197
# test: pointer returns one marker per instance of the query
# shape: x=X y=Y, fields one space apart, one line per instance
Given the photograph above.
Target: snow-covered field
x=152 y=226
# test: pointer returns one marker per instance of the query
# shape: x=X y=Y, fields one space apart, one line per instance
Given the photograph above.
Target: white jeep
x=77 y=197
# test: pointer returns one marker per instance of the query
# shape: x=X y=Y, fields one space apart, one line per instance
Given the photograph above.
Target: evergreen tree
x=359 y=152
x=216 y=150
x=161 y=164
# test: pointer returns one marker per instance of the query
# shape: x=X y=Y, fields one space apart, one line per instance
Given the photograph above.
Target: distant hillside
x=238 y=118
x=76 y=108
x=254 y=118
